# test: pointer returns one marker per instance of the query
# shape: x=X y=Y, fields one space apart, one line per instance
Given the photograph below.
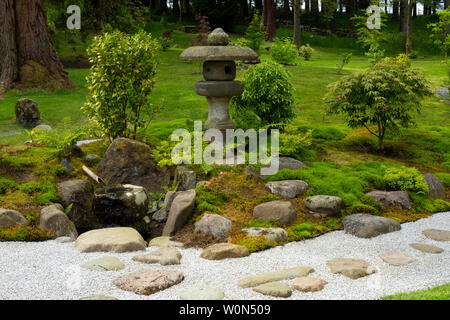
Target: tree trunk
x=286 y=8
x=315 y=6
x=297 y=31
x=28 y=56
x=269 y=18
x=395 y=7
x=244 y=9
x=259 y=5
x=307 y=5
x=408 y=45
x=175 y=8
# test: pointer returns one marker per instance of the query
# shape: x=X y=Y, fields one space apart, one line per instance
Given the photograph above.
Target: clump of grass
x=328 y=133
x=255 y=244
x=25 y=233
x=422 y=203
x=268 y=197
x=258 y=223
x=300 y=231
x=444 y=177
x=7 y=185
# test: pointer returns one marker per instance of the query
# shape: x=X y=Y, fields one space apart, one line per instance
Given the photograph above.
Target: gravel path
x=49 y=270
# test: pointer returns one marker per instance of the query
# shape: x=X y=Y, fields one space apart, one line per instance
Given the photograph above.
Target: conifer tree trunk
x=297 y=31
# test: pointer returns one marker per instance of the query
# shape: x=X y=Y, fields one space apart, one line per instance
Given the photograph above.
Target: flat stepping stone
x=274 y=289
x=202 y=292
x=270 y=234
x=165 y=242
x=104 y=264
x=397 y=258
x=426 y=248
x=309 y=284
x=289 y=189
x=110 y=240
x=368 y=226
x=221 y=251
x=99 y=298
x=147 y=282
x=284 y=274
x=352 y=268
x=164 y=256
x=437 y=235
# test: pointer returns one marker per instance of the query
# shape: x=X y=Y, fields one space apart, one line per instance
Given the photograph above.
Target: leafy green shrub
x=267 y=99
x=268 y=197
x=306 y=52
x=7 y=185
x=255 y=244
x=407 y=179
x=328 y=133
x=293 y=144
x=120 y=82
x=444 y=177
x=258 y=223
x=255 y=32
x=345 y=59
x=284 y=52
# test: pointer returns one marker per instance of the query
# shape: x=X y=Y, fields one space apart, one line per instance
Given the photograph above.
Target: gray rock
x=327 y=205
x=27 y=113
x=218 y=38
x=74 y=151
x=43 y=127
x=147 y=282
x=282 y=211
x=91 y=158
x=165 y=242
x=391 y=198
x=288 y=188
x=186 y=179
x=436 y=189
x=274 y=289
x=56 y=221
x=128 y=162
x=66 y=164
x=221 y=251
x=284 y=163
x=397 y=258
x=352 y=268
x=180 y=211
x=164 y=256
x=104 y=264
x=279 y=275
x=443 y=93
x=271 y=234
x=110 y=240
x=213 y=224
x=426 y=248
x=437 y=235
x=11 y=218
x=369 y=226
x=64 y=240
x=202 y=292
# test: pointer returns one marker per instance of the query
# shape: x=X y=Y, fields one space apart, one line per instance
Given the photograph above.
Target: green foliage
x=345 y=59
x=332 y=223
x=444 y=177
x=24 y=233
x=32 y=217
x=203 y=206
x=165 y=43
x=422 y=203
x=328 y=133
x=49 y=197
x=292 y=144
x=439 y=31
x=437 y=293
x=255 y=244
x=255 y=32
x=387 y=95
x=258 y=223
x=406 y=179
x=268 y=197
x=267 y=99
x=306 y=52
x=300 y=231
x=284 y=52
x=120 y=82
x=31 y=187
x=7 y=185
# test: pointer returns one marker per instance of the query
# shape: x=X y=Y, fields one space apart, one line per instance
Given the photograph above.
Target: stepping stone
x=221 y=251
x=270 y=234
x=214 y=225
x=147 y=282
x=369 y=226
x=164 y=256
x=282 y=211
x=110 y=240
x=427 y=248
x=274 y=289
x=164 y=242
x=309 y=284
x=284 y=274
x=202 y=292
x=437 y=235
x=397 y=258
x=326 y=205
x=104 y=264
x=352 y=268
x=288 y=188
x=99 y=298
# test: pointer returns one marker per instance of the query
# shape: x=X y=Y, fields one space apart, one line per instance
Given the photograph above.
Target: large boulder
x=282 y=211
x=147 y=282
x=27 y=113
x=288 y=188
x=180 y=211
x=391 y=198
x=369 y=226
x=221 y=251
x=186 y=179
x=284 y=163
x=53 y=219
x=327 y=205
x=162 y=214
x=213 y=224
x=122 y=205
x=128 y=162
x=110 y=240
x=436 y=189
x=79 y=195
x=11 y=218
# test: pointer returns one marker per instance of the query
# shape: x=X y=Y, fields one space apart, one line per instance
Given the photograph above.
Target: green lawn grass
x=436 y=293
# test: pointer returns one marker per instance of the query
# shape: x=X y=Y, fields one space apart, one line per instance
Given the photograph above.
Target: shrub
x=255 y=32
x=165 y=41
x=345 y=59
x=120 y=82
x=284 y=52
x=306 y=52
x=294 y=141
x=267 y=99
x=406 y=179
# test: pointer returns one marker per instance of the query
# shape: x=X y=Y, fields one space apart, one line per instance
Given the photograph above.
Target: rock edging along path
x=28 y=272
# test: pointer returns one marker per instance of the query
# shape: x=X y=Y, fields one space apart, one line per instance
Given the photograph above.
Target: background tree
x=297 y=31
x=269 y=18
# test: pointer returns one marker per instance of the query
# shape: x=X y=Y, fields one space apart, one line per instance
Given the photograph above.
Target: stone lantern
x=219 y=71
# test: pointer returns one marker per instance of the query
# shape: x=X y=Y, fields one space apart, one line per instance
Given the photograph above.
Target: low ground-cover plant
x=24 y=233
x=328 y=133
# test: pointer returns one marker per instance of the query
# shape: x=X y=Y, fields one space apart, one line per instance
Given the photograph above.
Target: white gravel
x=51 y=270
